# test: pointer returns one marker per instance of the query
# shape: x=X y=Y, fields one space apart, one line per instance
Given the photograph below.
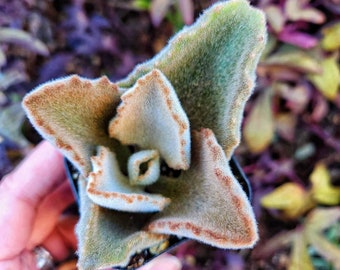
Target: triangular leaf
x=108 y=187
x=73 y=113
x=211 y=65
x=109 y=238
x=151 y=116
x=208 y=204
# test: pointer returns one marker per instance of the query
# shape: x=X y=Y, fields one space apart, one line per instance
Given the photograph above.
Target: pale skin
x=32 y=199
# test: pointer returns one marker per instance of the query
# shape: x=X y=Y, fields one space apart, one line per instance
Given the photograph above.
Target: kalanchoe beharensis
x=153 y=149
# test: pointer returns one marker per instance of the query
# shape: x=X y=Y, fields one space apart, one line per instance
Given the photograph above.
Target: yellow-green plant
x=153 y=149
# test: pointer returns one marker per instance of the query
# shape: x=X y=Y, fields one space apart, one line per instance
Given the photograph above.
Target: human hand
x=32 y=200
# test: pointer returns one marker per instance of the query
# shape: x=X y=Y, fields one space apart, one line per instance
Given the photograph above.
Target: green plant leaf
x=151 y=116
x=109 y=188
x=259 y=126
x=211 y=65
x=275 y=17
x=107 y=237
x=318 y=221
x=151 y=159
x=299 y=258
x=291 y=198
x=308 y=234
x=322 y=189
x=218 y=211
x=17 y=36
x=11 y=119
x=329 y=80
x=293 y=58
x=158 y=10
x=331 y=37
x=300 y=11
x=73 y=114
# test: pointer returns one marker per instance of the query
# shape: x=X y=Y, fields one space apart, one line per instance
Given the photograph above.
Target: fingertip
x=163 y=262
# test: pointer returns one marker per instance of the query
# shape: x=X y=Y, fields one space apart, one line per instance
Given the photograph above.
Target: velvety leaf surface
x=151 y=116
x=121 y=232
x=148 y=158
x=218 y=212
x=211 y=65
x=73 y=113
x=108 y=187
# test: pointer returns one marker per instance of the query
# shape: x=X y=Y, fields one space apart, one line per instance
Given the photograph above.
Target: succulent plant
x=153 y=149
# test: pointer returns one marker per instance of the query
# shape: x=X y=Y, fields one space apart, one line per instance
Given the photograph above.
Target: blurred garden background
x=290 y=147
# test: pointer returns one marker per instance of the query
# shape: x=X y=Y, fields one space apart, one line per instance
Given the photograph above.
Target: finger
x=49 y=212
x=20 y=194
x=164 y=262
x=66 y=228
x=37 y=175
x=62 y=241
x=55 y=244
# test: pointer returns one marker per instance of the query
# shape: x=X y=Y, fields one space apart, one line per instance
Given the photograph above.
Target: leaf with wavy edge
x=207 y=202
x=108 y=238
x=151 y=116
x=108 y=187
x=211 y=65
x=152 y=160
x=73 y=114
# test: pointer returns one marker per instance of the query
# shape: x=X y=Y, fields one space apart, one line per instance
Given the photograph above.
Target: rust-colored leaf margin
x=218 y=211
x=73 y=113
x=108 y=187
x=152 y=117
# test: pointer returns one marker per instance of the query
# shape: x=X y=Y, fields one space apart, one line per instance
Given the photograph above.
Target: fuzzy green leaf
x=211 y=65
x=73 y=114
x=107 y=237
x=218 y=211
x=151 y=116
x=151 y=159
x=108 y=187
